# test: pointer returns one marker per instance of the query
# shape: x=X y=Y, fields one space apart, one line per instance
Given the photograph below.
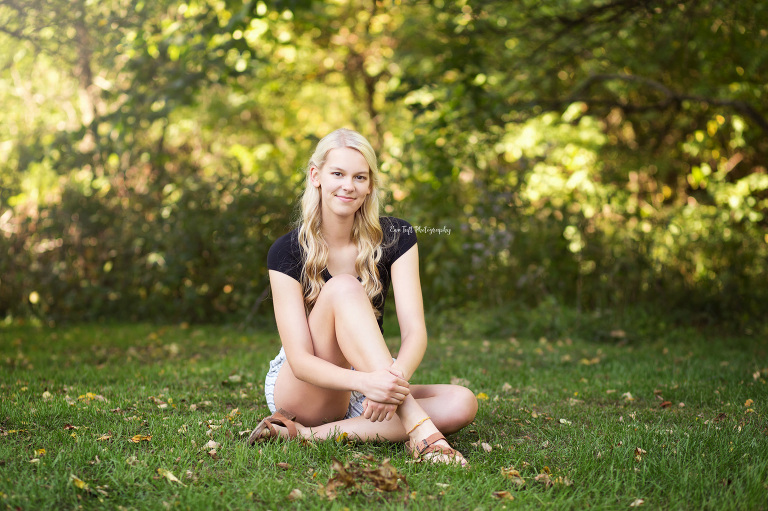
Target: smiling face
x=343 y=182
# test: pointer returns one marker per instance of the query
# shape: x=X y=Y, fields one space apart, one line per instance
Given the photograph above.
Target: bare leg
x=344 y=331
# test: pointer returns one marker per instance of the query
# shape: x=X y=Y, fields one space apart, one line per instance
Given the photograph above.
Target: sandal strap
x=427 y=445
x=279 y=417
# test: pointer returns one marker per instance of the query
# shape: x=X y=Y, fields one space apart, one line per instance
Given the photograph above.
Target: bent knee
x=463 y=409
x=344 y=286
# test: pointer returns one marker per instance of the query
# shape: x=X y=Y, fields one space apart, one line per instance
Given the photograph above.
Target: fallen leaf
x=666 y=404
x=284 y=466
x=506 y=387
x=639 y=452
x=140 y=438
x=748 y=403
x=79 y=483
x=513 y=475
x=295 y=495
x=618 y=334
x=543 y=479
x=627 y=396
x=39 y=452
x=168 y=475
x=482 y=396
x=104 y=437
x=235 y=378
x=35 y=460
x=486 y=447
x=132 y=461
x=503 y=495
x=47 y=396
x=212 y=445
x=565 y=421
x=637 y=502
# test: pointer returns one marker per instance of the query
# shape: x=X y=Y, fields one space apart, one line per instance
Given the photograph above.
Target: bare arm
x=410 y=312
x=297 y=341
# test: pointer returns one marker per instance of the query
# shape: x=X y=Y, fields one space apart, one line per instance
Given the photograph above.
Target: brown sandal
x=428 y=445
x=281 y=418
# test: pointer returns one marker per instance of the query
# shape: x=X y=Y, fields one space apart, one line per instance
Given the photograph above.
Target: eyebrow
x=366 y=171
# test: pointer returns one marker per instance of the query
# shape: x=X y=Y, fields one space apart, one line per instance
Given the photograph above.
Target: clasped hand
x=386 y=389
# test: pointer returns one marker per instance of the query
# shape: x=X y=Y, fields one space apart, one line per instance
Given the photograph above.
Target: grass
x=677 y=420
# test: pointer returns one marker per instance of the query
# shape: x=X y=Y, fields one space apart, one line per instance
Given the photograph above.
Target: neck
x=337 y=231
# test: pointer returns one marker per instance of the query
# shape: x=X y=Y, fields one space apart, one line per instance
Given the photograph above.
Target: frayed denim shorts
x=355 y=408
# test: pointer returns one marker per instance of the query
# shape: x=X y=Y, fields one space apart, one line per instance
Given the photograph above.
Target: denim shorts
x=355 y=408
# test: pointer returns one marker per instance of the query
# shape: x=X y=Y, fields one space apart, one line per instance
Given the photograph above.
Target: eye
x=361 y=177
x=336 y=173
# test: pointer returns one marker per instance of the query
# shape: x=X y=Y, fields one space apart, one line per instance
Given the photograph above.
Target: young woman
x=329 y=279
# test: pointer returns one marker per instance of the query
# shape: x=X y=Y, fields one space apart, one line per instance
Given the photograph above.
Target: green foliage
x=590 y=154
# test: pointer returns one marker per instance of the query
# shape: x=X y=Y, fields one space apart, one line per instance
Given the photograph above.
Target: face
x=344 y=181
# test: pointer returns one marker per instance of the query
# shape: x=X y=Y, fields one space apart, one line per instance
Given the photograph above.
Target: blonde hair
x=366 y=228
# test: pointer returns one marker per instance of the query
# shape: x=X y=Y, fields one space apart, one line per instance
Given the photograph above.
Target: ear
x=314 y=177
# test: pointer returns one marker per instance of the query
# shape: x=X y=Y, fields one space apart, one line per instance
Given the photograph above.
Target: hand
x=385 y=386
x=377 y=412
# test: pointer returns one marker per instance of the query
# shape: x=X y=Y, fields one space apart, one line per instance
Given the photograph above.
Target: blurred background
x=589 y=157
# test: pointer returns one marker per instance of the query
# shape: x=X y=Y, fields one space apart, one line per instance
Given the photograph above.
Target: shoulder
x=285 y=255
x=399 y=236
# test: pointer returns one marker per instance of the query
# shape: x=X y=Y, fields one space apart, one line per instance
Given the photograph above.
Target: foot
x=279 y=424
x=430 y=445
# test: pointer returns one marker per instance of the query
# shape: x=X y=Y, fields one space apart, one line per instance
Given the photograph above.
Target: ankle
x=423 y=430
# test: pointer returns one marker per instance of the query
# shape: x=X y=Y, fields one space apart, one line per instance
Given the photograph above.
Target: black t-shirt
x=286 y=256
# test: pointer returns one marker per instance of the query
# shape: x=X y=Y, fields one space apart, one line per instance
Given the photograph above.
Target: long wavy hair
x=366 y=228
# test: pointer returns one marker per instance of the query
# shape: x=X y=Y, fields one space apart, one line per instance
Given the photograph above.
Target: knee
x=343 y=287
x=463 y=408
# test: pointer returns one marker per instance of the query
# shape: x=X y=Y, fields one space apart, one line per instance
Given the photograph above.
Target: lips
x=344 y=199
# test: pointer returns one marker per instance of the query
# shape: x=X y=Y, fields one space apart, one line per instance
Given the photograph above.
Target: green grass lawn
x=151 y=417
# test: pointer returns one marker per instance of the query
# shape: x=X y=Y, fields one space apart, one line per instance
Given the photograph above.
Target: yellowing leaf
x=79 y=483
x=103 y=438
x=47 y=395
x=748 y=403
x=168 y=475
x=483 y=396
x=141 y=438
x=39 y=452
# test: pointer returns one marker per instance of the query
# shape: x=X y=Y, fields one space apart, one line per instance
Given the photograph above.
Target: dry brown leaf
x=503 y=495
x=639 y=453
x=140 y=438
x=295 y=495
x=486 y=447
x=666 y=404
x=513 y=475
x=543 y=479
x=104 y=437
x=212 y=444
x=284 y=466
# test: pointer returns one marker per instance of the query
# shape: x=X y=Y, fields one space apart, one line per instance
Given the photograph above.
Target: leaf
x=543 y=479
x=565 y=421
x=748 y=403
x=513 y=475
x=284 y=466
x=666 y=404
x=39 y=452
x=482 y=396
x=295 y=495
x=47 y=396
x=212 y=445
x=503 y=495
x=639 y=452
x=140 y=438
x=169 y=476
x=637 y=503
x=102 y=438
x=486 y=447
x=79 y=483
x=627 y=396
